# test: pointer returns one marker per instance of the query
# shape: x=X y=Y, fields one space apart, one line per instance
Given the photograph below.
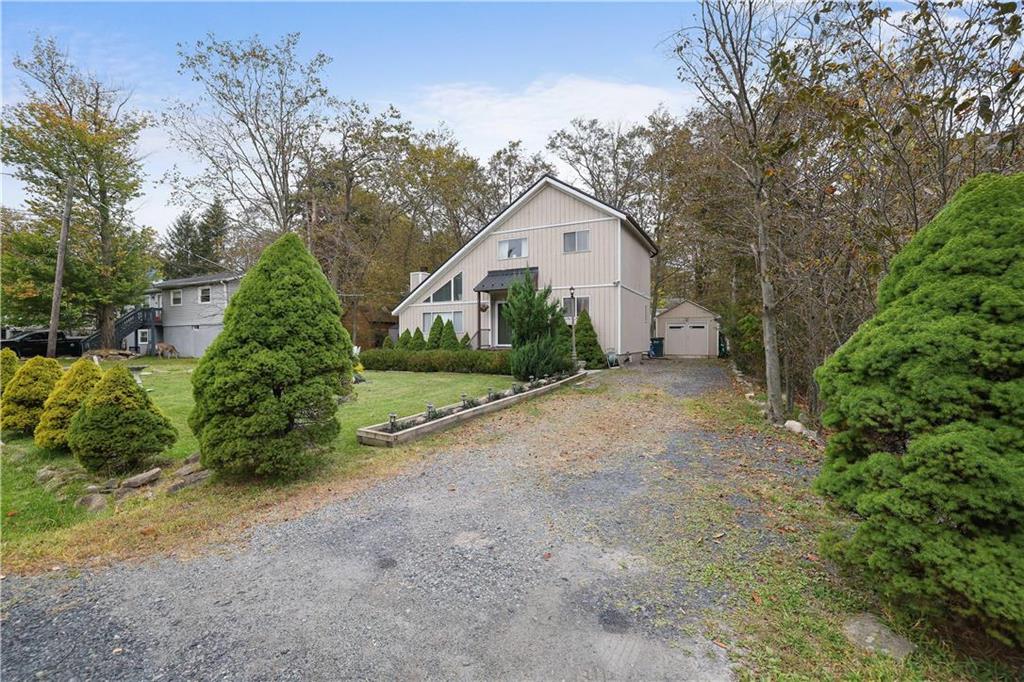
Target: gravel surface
x=520 y=552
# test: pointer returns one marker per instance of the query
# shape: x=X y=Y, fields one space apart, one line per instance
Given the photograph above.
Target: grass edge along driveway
x=41 y=532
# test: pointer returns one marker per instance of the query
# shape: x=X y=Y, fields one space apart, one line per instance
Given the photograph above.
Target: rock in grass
x=142 y=479
x=93 y=502
x=45 y=474
x=867 y=632
x=189 y=481
x=189 y=468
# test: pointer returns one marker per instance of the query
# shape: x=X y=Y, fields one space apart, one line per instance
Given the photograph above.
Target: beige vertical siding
x=690 y=313
x=542 y=221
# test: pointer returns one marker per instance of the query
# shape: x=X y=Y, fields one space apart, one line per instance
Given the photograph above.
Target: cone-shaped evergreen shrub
x=588 y=348
x=540 y=345
x=266 y=390
x=8 y=366
x=118 y=427
x=927 y=400
x=405 y=340
x=67 y=396
x=418 y=342
x=387 y=342
x=449 y=340
x=26 y=393
x=465 y=342
x=436 y=332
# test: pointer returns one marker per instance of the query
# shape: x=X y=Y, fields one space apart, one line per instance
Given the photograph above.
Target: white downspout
x=618 y=301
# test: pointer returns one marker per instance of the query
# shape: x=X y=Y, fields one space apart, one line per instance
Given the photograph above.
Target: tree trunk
x=107 y=315
x=772 y=372
x=58 y=274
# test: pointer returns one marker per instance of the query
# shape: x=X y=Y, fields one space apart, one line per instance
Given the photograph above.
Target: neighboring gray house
x=191 y=312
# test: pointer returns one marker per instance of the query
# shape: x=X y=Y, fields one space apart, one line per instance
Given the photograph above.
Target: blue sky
x=490 y=72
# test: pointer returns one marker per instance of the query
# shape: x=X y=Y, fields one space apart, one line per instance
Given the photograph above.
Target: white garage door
x=686 y=338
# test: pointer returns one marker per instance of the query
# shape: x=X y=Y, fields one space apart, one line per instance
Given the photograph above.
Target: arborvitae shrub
x=266 y=389
x=540 y=345
x=8 y=366
x=927 y=401
x=588 y=348
x=118 y=427
x=449 y=340
x=404 y=340
x=67 y=396
x=387 y=343
x=417 y=342
x=26 y=392
x=465 y=342
x=436 y=332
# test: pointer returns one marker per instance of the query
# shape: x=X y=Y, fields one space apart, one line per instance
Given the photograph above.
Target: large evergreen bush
x=266 y=390
x=539 y=358
x=26 y=392
x=67 y=396
x=436 y=332
x=118 y=427
x=417 y=342
x=404 y=340
x=9 y=364
x=927 y=400
x=588 y=348
x=449 y=339
x=540 y=345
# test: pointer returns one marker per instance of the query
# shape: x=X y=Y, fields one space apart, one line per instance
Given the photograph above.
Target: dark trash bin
x=657 y=346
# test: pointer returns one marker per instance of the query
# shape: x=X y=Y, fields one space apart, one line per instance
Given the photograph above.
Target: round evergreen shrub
x=67 y=396
x=588 y=349
x=436 y=332
x=9 y=364
x=927 y=404
x=266 y=391
x=417 y=342
x=118 y=427
x=539 y=358
x=26 y=392
x=449 y=340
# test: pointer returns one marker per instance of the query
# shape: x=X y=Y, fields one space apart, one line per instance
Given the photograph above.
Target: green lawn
x=29 y=511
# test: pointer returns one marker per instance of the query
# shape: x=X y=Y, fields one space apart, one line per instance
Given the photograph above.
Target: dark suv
x=34 y=343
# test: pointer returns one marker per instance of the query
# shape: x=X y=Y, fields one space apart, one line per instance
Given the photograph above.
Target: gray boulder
x=865 y=631
x=189 y=481
x=93 y=502
x=142 y=479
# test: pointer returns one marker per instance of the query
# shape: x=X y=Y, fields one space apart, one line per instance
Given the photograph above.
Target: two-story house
x=587 y=251
x=191 y=312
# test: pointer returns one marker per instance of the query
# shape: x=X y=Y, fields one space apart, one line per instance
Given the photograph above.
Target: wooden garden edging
x=378 y=434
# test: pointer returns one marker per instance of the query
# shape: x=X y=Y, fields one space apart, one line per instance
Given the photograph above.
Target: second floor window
x=176 y=297
x=513 y=248
x=204 y=294
x=574 y=242
x=451 y=291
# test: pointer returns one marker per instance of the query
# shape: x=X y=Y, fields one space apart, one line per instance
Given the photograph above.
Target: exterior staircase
x=140 y=318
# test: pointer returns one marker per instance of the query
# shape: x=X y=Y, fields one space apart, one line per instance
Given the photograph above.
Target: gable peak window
x=575 y=242
x=450 y=291
x=513 y=248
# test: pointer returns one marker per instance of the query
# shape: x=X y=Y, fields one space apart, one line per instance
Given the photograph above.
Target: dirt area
x=569 y=537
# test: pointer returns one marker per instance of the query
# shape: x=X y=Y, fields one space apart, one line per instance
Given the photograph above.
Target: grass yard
x=40 y=530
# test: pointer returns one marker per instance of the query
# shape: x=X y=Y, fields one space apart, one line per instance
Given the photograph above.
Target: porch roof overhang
x=500 y=280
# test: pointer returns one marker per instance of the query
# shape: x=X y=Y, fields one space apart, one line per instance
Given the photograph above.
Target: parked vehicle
x=34 y=343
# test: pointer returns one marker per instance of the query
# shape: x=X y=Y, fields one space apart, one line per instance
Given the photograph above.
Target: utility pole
x=58 y=275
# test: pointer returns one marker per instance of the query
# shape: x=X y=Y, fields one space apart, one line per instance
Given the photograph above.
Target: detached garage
x=689 y=330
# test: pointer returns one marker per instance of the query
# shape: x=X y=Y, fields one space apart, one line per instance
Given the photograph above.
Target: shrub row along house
x=592 y=255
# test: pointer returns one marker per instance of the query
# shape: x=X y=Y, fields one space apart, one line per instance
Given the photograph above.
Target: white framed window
x=143 y=336
x=176 y=297
x=513 y=248
x=205 y=294
x=575 y=242
x=582 y=303
x=455 y=316
x=451 y=291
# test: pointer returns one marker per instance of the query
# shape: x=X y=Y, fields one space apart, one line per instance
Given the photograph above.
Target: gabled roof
x=681 y=302
x=543 y=181
x=212 y=278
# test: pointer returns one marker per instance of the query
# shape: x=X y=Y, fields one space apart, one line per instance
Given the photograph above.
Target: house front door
x=504 y=337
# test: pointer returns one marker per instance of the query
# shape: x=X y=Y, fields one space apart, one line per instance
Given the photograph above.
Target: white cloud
x=485 y=118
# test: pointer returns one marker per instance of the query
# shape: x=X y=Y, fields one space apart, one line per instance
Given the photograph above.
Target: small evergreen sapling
x=418 y=342
x=118 y=427
x=588 y=349
x=436 y=332
x=387 y=343
x=65 y=399
x=26 y=392
x=404 y=340
x=466 y=343
x=449 y=341
x=9 y=364
x=266 y=390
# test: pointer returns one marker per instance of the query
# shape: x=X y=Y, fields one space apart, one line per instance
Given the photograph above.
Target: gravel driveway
x=515 y=550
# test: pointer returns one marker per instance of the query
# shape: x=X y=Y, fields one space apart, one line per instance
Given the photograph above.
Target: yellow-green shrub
x=66 y=397
x=8 y=366
x=26 y=393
